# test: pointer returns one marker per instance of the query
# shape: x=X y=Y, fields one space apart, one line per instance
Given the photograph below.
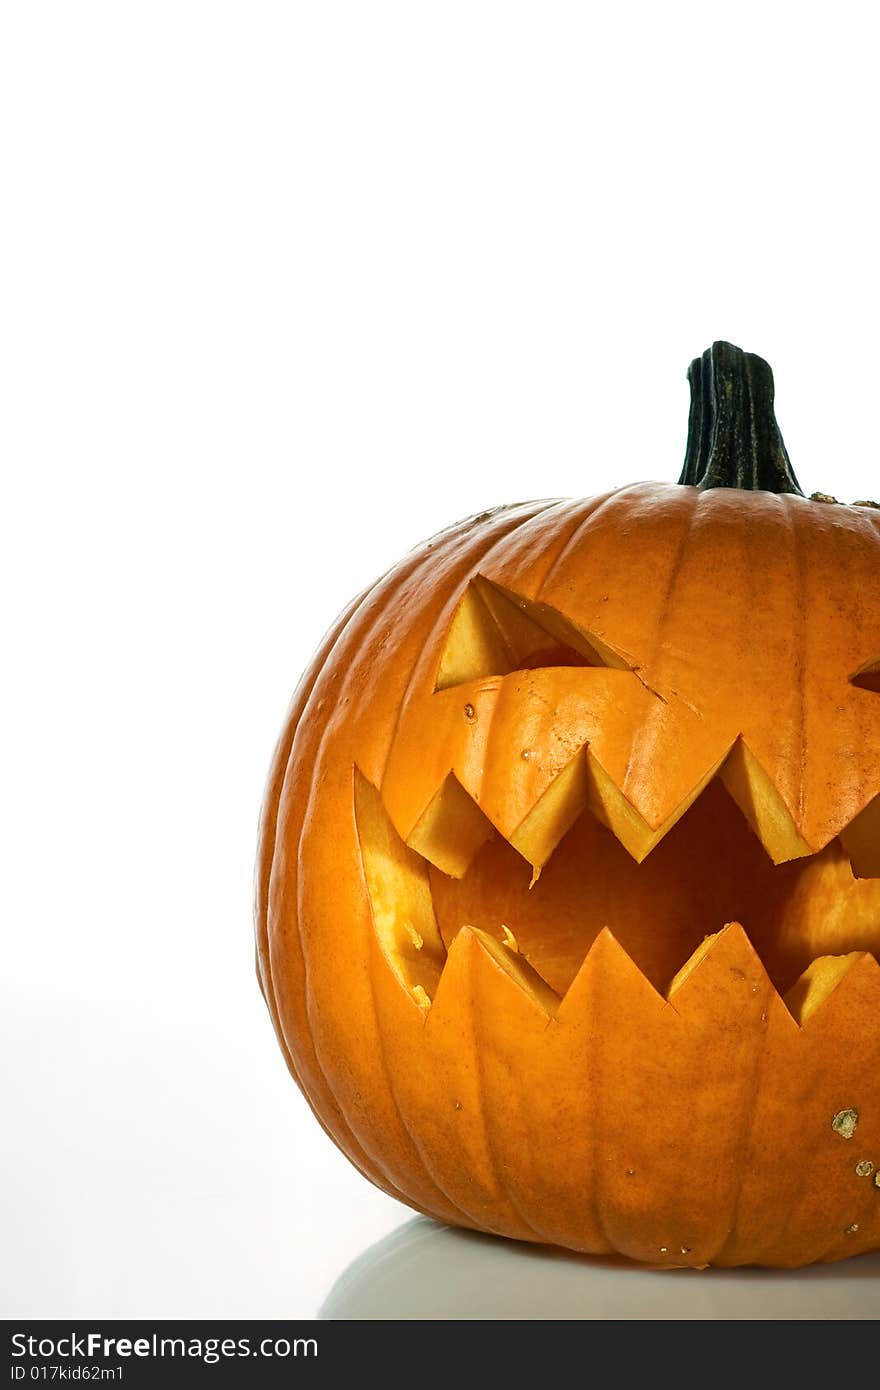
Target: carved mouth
x=663 y=896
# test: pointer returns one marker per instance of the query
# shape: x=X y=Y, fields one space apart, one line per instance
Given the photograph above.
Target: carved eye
x=867 y=677
x=495 y=631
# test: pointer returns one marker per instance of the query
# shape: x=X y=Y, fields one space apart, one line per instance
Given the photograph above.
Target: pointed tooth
x=553 y=814
x=608 y=971
x=612 y=809
x=506 y=956
x=724 y=978
x=762 y=805
x=451 y=829
x=861 y=840
x=480 y=968
x=419 y=769
x=584 y=784
x=849 y=1005
x=817 y=983
x=609 y=805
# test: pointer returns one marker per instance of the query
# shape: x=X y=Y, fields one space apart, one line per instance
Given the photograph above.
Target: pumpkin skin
x=667 y=1047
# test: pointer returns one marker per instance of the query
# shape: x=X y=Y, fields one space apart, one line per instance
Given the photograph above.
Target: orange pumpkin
x=568 y=900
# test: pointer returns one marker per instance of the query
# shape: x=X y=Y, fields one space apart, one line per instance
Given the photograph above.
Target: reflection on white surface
x=423 y=1270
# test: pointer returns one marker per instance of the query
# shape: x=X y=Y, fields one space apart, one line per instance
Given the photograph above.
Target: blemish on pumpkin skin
x=852 y=1230
x=456 y=1105
x=470 y=713
x=637 y=672
x=864 y=1168
x=877 y=1179
x=844 y=1123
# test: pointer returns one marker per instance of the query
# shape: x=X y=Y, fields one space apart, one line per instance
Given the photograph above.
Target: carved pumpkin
x=568 y=900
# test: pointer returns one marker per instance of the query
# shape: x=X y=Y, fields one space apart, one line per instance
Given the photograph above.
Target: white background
x=286 y=287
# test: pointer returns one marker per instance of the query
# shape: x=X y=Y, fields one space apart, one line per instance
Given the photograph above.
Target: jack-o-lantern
x=568 y=900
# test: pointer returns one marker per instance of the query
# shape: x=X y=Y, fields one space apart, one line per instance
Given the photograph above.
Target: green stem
x=733 y=437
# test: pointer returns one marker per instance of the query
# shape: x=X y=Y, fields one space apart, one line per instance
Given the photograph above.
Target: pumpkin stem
x=733 y=437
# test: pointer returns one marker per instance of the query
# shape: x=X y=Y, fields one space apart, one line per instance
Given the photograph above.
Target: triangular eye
x=867 y=677
x=495 y=632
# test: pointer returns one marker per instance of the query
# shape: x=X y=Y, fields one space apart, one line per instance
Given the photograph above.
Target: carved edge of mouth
x=453 y=826
x=409 y=939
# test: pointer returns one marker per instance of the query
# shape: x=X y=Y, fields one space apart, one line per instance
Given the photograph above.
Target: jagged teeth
x=574 y=1121
x=452 y=827
x=724 y=971
x=723 y=975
